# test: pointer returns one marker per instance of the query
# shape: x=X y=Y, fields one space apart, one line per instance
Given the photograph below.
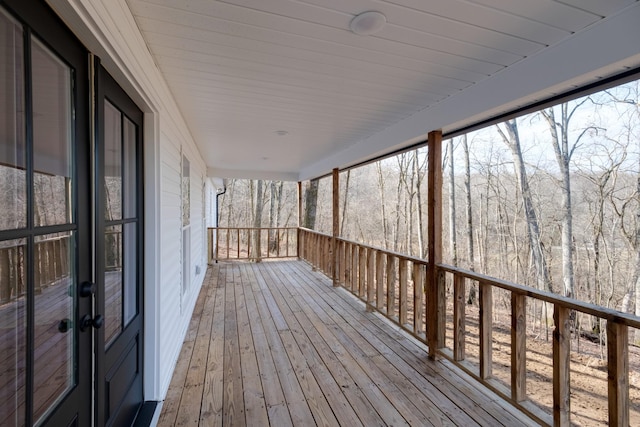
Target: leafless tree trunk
x=381 y=187
x=257 y=220
x=274 y=213
x=453 y=241
x=344 y=202
x=311 y=204
x=408 y=178
x=469 y=216
x=512 y=139
x=631 y=204
x=563 y=152
x=396 y=237
x=419 y=171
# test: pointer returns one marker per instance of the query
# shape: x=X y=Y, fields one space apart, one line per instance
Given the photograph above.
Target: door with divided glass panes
x=119 y=264
x=70 y=230
x=45 y=222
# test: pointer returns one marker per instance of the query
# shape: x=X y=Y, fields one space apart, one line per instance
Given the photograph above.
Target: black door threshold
x=145 y=414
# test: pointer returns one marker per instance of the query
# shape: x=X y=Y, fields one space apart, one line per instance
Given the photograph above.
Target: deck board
x=274 y=343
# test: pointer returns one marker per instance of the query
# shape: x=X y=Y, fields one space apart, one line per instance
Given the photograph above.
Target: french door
x=119 y=263
x=70 y=230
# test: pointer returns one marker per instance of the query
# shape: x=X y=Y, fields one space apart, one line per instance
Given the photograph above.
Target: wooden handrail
x=380 y=278
x=559 y=300
x=246 y=243
x=398 y=255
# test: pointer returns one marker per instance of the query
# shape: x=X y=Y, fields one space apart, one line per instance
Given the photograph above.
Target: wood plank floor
x=275 y=344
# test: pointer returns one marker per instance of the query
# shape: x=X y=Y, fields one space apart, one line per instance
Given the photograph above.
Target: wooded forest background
x=549 y=199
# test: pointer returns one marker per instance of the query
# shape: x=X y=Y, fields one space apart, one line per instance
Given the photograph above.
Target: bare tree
x=420 y=170
x=563 y=151
x=453 y=242
x=512 y=139
x=381 y=188
x=311 y=204
x=469 y=216
x=275 y=200
x=257 y=219
x=343 y=215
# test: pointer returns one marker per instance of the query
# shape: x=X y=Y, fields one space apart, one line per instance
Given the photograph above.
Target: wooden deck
x=274 y=343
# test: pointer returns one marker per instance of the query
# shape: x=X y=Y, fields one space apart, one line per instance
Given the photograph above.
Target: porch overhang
x=268 y=90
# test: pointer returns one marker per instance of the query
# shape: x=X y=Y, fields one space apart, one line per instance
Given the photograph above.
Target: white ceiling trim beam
x=252 y=174
x=599 y=51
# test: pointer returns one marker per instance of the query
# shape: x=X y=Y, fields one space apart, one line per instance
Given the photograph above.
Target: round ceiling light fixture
x=281 y=132
x=368 y=23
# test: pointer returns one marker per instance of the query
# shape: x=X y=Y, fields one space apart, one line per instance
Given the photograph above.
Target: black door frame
x=133 y=334
x=86 y=400
x=39 y=20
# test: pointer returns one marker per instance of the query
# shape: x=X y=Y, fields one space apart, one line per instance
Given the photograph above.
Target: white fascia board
x=602 y=50
x=252 y=174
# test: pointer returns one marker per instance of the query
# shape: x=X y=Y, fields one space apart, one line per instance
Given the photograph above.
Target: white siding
x=108 y=29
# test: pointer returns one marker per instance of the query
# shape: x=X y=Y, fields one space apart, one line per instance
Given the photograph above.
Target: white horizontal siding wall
x=108 y=30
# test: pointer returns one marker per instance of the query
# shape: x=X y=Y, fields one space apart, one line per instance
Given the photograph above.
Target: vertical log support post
x=518 y=347
x=435 y=306
x=336 y=226
x=298 y=236
x=618 y=375
x=561 y=366
x=459 y=325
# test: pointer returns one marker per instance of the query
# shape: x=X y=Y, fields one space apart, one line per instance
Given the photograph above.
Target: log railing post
x=298 y=243
x=347 y=265
x=434 y=215
x=380 y=257
x=418 y=298
x=618 y=375
x=371 y=256
x=561 y=366
x=362 y=270
x=391 y=285
x=486 y=330
x=402 y=268
x=354 y=269
x=459 y=325
x=342 y=258
x=518 y=347
x=336 y=226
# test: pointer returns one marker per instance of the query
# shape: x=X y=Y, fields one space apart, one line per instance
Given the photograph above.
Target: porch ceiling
x=242 y=70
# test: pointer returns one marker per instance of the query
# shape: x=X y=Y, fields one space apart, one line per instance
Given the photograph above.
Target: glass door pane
x=53 y=373
x=52 y=125
x=13 y=189
x=112 y=162
x=120 y=200
x=112 y=283
x=54 y=275
x=13 y=332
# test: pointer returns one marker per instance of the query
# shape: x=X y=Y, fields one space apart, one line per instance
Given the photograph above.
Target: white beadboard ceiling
x=241 y=70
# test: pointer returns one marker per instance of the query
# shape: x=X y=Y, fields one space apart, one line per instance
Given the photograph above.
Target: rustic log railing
x=389 y=282
x=248 y=243
x=396 y=285
x=52 y=264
